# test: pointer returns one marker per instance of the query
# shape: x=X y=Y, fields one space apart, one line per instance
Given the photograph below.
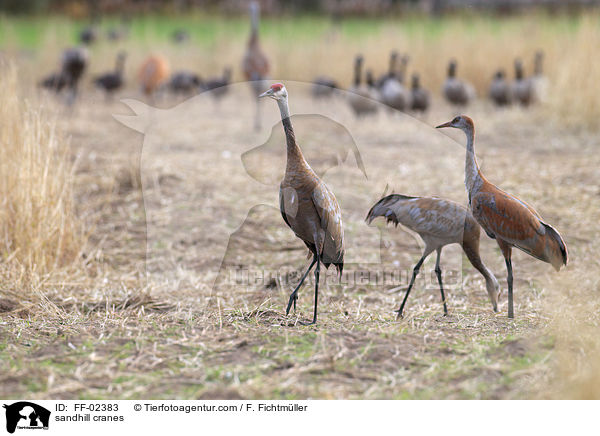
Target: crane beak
x=448 y=124
x=267 y=93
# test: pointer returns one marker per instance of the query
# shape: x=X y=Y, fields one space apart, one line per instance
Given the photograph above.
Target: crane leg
x=294 y=294
x=317 y=273
x=318 y=244
x=509 y=279
x=507 y=252
x=438 y=272
x=412 y=282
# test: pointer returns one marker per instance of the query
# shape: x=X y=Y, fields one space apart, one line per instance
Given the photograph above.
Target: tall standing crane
x=255 y=64
x=307 y=205
x=504 y=217
x=456 y=91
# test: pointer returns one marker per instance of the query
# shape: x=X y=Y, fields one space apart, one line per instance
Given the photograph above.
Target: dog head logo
x=26 y=415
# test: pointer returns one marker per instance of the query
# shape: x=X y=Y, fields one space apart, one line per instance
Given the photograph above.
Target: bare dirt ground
x=141 y=318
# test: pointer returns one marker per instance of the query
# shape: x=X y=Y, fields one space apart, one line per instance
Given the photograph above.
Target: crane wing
x=427 y=216
x=330 y=216
x=255 y=64
x=504 y=216
x=282 y=207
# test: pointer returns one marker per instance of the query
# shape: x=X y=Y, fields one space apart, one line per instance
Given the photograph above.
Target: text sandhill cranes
x=505 y=218
x=255 y=64
x=307 y=205
x=112 y=81
x=456 y=91
x=438 y=222
x=153 y=73
x=362 y=98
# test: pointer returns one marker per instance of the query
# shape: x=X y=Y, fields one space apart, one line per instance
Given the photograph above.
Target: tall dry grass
x=38 y=228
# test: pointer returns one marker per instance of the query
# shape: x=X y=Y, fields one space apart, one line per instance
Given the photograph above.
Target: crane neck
x=120 y=65
x=254 y=24
x=472 y=173
x=294 y=154
x=392 y=68
x=357 y=73
x=537 y=69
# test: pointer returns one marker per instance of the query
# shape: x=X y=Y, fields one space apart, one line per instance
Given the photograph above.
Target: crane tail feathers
x=556 y=248
x=385 y=208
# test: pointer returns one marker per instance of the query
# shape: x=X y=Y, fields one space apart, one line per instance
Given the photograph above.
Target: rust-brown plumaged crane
x=153 y=73
x=255 y=64
x=439 y=223
x=307 y=205
x=504 y=217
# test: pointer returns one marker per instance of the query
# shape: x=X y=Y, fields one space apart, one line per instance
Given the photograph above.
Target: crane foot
x=313 y=322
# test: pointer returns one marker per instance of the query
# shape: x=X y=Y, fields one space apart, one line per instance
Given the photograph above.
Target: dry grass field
x=118 y=274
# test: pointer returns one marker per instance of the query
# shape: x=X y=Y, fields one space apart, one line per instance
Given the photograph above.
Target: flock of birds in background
x=310 y=208
x=389 y=89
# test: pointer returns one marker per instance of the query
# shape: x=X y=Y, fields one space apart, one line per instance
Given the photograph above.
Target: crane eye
x=456 y=120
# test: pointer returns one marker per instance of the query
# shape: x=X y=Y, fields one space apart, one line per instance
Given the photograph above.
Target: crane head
x=277 y=92
x=461 y=122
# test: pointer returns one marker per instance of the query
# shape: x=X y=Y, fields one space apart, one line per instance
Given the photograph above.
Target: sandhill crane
x=362 y=98
x=403 y=68
x=153 y=72
x=255 y=63
x=218 y=85
x=307 y=205
x=110 y=82
x=120 y=31
x=391 y=72
x=180 y=36
x=185 y=82
x=455 y=90
x=500 y=92
x=419 y=96
x=89 y=34
x=522 y=88
x=323 y=86
x=74 y=62
x=439 y=223
x=392 y=92
x=512 y=222
x=539 y=81
x=54 y=81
